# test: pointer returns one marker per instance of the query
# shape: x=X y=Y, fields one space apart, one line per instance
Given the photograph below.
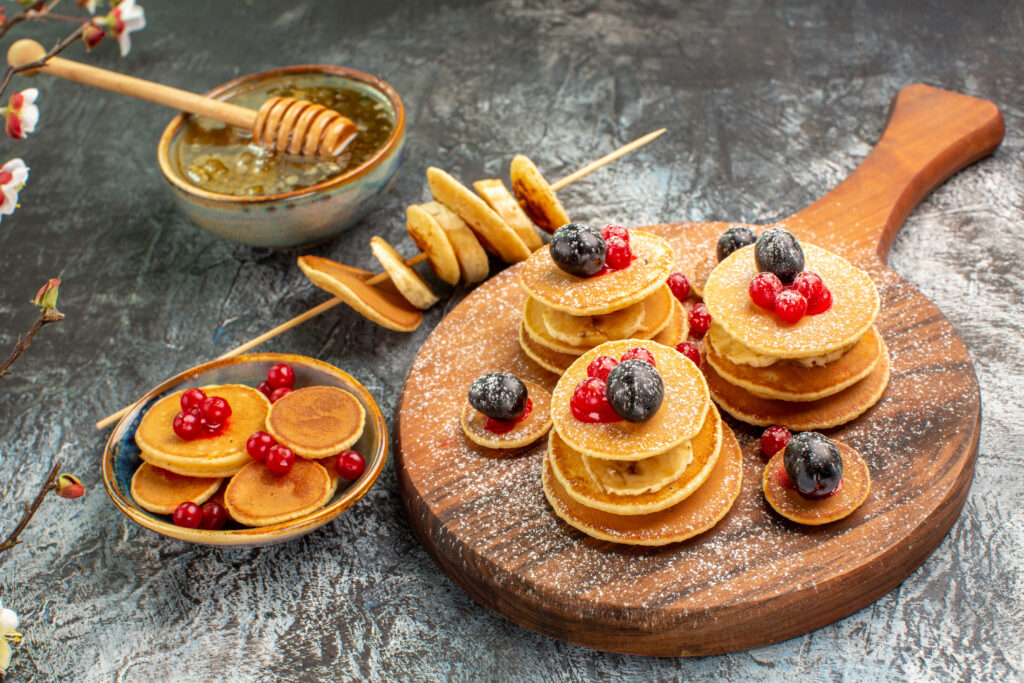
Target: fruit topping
x=639 y=353
x=188 y=515
x=773 y=440
x=690 y=350
x=258 y=445
x=613 y=230
x=351 y=465
x=265 y=388
x=278 y=393
x=618 y=255
x=279 y=459
x=214 y=516
x=679 y=285
x=193 y=398
x=499 y=395
x=578 y=250
x=814 y=464
x=763 y=290
x=635 y=390
x=790 y=305
x=187 y=425
x=281 y=375
x=589 y=402
x=733 y=239
x=821 y=304
x=215 y=410
x=809 y=284
x=782 y=478
x=506 y=426
x=778 y=251
x=700 y=320
x=600 y=367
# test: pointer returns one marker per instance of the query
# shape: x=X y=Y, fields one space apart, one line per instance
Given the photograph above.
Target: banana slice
x=634 y=477
x=494 y=234
x=472 y=257
x=382 y=304
x=432 y=241
x=591 y=330
x=407 y=280
x=536 y=196
x=505 y=205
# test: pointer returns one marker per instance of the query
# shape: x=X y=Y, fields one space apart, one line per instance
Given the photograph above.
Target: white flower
x=89 y=5
x=22 y=113
x=8 y=634
x=13 y=175
x=124 y=20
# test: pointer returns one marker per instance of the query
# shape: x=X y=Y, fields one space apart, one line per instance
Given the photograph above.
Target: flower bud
x=46 y=297
x=92 y=35
x=68 y=486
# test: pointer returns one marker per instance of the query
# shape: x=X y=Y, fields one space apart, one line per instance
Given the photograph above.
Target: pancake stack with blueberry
x=792 y=339
x=638 y=454
x=589 y=287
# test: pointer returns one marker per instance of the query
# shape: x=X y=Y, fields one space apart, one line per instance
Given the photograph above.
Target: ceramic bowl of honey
x=238 y=190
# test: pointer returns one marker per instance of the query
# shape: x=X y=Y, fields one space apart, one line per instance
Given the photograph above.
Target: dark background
x=768 y=105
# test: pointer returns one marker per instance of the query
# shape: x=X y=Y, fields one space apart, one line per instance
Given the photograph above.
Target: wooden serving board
x=755 y=578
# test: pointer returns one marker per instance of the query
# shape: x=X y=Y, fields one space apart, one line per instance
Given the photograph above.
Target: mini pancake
x=161 y=491
x=407 y=280
x=695 y=515
x=788 y=381
x=591 y=330
x=677 y=328
x=636 y=477
x=331 y=465
x=855 y=305
x=472 y=258
x=493 y=232
x=854 y=488
x=258 y=497
x=536 y=196
x=823 y=413
x=383 y=303
x=680 y=417
x=317 y=422
x=698 y=270
x=571 y=471
x=497 y=196
x=653 y=263
x=430 y=238
x=212 y=456
x=536 y=424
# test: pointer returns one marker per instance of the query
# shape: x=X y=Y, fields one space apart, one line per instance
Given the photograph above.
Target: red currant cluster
x=262 y=447
x=589 y=401
x=210 y=516
x=807 y=295
x=618 y=254
x=200 y=415
x=505 y=426
x=280 y=380
x=699 y=318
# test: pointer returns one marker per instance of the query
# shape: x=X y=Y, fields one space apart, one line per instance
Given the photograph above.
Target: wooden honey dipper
x=282 y=123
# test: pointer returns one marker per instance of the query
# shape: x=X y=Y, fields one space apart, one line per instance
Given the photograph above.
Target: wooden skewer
x=380 y=277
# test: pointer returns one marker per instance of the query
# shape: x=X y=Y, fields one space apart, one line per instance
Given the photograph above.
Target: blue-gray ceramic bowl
x=121 y=455
x=302 y=217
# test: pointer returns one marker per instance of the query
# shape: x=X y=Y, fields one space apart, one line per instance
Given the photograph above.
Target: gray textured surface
x=768 y=104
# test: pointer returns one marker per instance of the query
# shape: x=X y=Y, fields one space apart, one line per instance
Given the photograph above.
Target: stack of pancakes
x=819 y=372
x=649 y=483
x=315 y=422
x=566 y=316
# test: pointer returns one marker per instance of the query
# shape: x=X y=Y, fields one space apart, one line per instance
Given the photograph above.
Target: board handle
x=931 y=134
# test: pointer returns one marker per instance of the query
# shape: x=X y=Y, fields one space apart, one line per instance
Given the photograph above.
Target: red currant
x=601 y=366
x=809 y=284
x=279 y=459
x=790 y=305
x=278 y=393
x=187 y=425
x=782 y=478
x=764 y=288
x=679 y=285
x=773 y=440
x=821 y=304
x=690 y=350
x=613 y=230
x=640 y=353
x=589 y=402
x=258 y=445
x=214 y=516
x=700 y=320
x=192 y=398
x=281 y=375
x=209 y=426
x=506 y=426
x=618 y=255
x=350 y=465
x=188 y=515
x=216 y=409
x=265 y=388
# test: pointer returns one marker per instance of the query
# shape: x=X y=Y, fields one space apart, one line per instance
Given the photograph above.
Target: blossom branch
x=49 y=485
x=45 y=317
x=54 y=51
x=30 y=12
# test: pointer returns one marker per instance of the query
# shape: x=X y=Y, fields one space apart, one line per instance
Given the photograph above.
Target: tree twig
x=30 y=510
x=29 y=12
x=45 y=317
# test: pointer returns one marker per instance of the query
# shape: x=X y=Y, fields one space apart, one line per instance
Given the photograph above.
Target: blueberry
x=734 y=238
x=578 y=250
x=778 y=252
x=814 y=464
x=635 y=390
x=500 y=395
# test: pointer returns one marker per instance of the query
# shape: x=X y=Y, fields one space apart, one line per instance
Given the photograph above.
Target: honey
x=223 y=159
